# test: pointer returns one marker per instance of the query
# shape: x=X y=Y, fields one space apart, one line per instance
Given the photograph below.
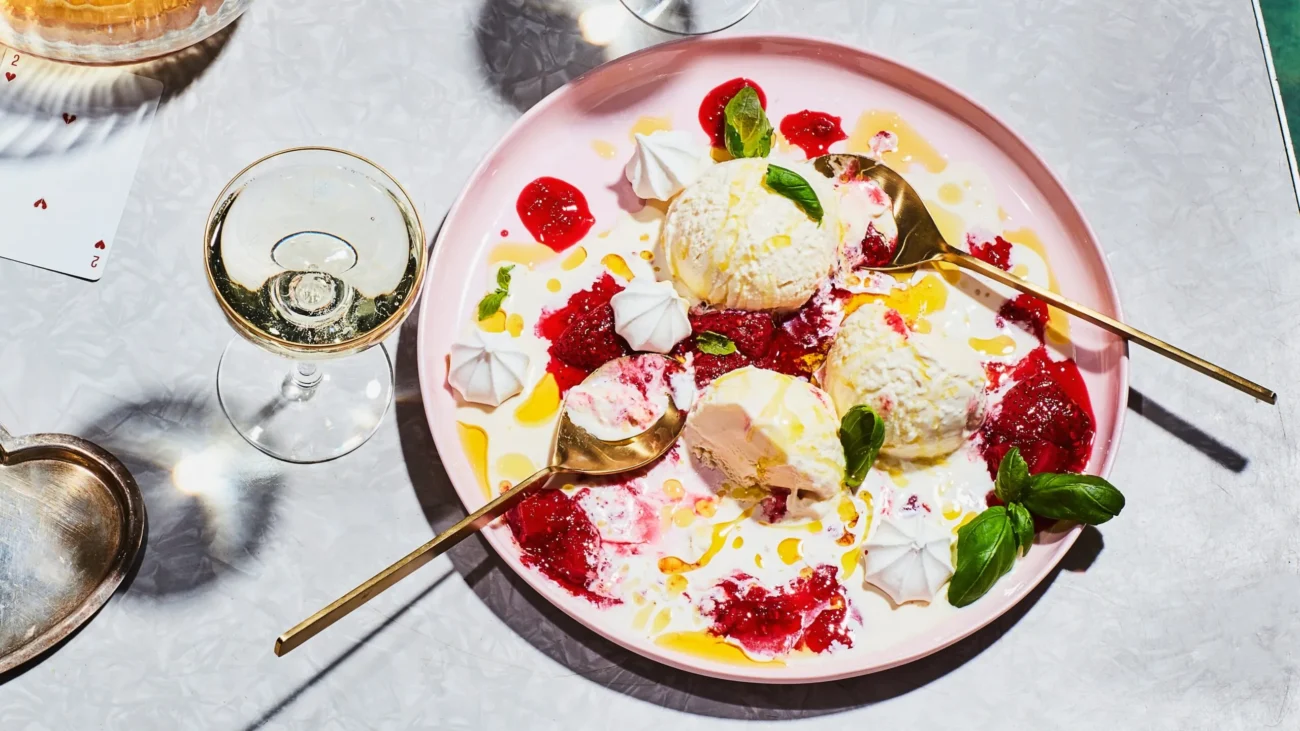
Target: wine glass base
x=262 y=396
x=690 y=17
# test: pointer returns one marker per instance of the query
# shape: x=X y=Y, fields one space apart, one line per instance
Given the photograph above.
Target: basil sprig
x=714 y=343
x=748 y=133
x=792 y=185
x=862 y=434
x=491 y=303
x=987 y=546
x=986 y=549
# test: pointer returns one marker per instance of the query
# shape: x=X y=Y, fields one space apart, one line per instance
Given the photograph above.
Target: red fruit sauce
x=795 y=344
x=1045 y=413
x=1027 y=311
x=713 y=110
x=813 y=132
x=873 y=251
x=557 y=537
x=996 y=252
x=582 y=334
x=808 y=612
x=554 y=212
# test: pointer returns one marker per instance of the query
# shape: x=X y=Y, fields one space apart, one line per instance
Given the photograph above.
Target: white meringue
x=650 y=316
x=487 y=368
x=909 y=557
x=665 y=162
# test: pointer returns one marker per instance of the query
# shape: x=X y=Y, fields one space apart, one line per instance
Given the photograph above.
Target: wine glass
x=691 y=17
x=313 y=254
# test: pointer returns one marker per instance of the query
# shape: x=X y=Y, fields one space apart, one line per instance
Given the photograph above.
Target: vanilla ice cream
x=765 y=429
x=928 y=389
x=731 y=241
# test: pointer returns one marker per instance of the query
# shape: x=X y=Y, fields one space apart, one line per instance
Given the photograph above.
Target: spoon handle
x=404 y=567
x=1200 y=365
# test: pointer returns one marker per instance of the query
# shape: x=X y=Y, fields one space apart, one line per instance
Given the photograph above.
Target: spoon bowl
x=575 y=451
x=920 y=243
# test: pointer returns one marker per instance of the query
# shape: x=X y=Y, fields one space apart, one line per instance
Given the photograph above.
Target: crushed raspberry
x=556 y=536
x=873 y=251
x=582 y=333
x=895 y=322
x=709 y=367
x=996 y=252
x=809 y=612
x=1027 y=311
x=802 y=341
x=775 y=505
x=750 y=331
x=813 y=132
x=1045 y=413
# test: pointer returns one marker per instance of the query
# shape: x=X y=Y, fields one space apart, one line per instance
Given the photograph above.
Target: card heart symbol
x=99 y=244
x=40 y=204
x=69 y=118
x=10 y=76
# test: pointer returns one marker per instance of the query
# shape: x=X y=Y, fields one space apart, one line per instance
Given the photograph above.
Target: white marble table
x=1184 y=614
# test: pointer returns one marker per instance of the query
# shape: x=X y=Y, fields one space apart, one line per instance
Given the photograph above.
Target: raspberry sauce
x=713 y=110
x=557 y=537
x=1045 y=413
x=996 y=252
x=554 y=212
x=1026 y=311
x=813 y=132
x=873 y=251
x=809 y=612
x=582 y=334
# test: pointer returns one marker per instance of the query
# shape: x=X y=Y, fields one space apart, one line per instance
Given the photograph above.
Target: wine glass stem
x=301 y=384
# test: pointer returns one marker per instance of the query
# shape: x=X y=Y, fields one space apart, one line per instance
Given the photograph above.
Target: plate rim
x=556 y=595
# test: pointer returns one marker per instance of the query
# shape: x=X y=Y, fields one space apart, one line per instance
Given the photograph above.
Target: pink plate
x=554 y=138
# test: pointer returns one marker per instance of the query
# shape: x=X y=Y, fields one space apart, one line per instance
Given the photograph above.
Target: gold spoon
x=574 y=452
x=919 y=242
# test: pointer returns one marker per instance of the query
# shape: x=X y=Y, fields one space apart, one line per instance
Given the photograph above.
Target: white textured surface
x=1188 y=618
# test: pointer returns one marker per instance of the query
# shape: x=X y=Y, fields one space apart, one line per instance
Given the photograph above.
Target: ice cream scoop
x=765 y=429
x=731 y=241
x=928 y=390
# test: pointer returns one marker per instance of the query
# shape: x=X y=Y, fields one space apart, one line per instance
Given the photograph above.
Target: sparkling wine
x=315 y=259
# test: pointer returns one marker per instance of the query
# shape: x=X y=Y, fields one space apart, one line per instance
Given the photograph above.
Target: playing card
x=67 y=161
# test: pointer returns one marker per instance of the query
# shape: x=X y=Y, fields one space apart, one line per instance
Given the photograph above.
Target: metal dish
x=71 y=525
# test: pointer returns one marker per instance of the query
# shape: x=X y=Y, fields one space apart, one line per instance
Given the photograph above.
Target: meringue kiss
x=650 y=316
x=486 y=368
x=664 y=163
x=908 y=557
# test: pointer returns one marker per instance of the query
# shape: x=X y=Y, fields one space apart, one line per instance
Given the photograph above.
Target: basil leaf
x=714 y=343
x=748 y=133
x=793 y=186
x=1022 y=524
x=862 y=433
x=489 y=305
x=1013 y=477
x=1082 y=498
x=986 y=550
x=503 y=277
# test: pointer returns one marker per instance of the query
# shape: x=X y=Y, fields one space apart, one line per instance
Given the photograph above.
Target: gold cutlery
x=921 y=243
x=574 y=452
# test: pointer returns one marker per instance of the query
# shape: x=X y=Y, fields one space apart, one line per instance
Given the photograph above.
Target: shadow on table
x=587 y=654
x=1187 y=432
x=59 y=106
x=208 y=510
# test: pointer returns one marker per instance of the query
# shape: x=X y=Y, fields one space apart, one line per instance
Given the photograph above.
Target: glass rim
x=250 y=332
